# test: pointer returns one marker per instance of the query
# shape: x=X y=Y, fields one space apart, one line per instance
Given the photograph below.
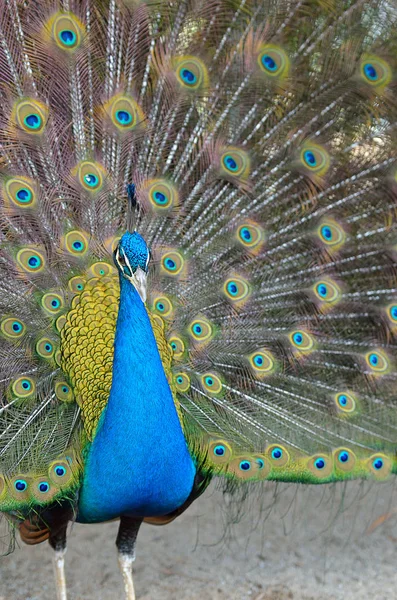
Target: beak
x=139 y=282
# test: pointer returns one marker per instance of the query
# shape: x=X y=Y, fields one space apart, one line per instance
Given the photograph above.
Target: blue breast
x=138 y=463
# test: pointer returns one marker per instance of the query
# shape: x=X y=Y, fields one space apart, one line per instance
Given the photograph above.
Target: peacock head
x=132 y=260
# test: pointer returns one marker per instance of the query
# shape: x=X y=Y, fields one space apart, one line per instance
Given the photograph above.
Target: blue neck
x=138 y=463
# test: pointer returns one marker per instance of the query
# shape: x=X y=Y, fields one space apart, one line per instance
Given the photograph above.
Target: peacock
x=198 y=255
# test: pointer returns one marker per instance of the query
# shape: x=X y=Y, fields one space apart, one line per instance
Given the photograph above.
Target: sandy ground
x=292 y=543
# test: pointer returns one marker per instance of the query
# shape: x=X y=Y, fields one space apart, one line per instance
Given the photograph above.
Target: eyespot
x=377 y=361
x=30 y=115
x=302 y=341
x=20 y=485
x=236 y=289
x=21 y=192
x=191 y=73
x=124 y=112
x=320 y=466
x=177 y=346
x=244 y=467
x=391 y=312
x=235 y=162
x=219 y=452
x=163 y=306
x=380 y=466
x=64 y=392
x=45 y=348
x=273 y=61
x=251 y=236
x=344 y=459
x=327 y=291
x=66 y=30
x=23 y=387
x=76 y=284
x=162 y=195
x=277 y=455
x=13 y=328
x=60 y=472
x=100 y=269
x=201 y=330
x=331 y=234
x=31 y=260
x=90 y=176
x=52 y=303
x=211 y=383
x=182 y=382
x=262 y=362
x=375 y=71
x=345 y=402
x=76 y=243
x=172 y=263
x=315 y=159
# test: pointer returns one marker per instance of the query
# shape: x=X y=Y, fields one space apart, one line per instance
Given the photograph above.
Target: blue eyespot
x=24 y=195
x=197 y=329
x=170 y=264
x=209 y=381
x=322 y=290
x=17 y=327
x=377 y=464
x=246 y=234
x=260 y=463
x=80 y=286
x=188 y=76
x=78 y=246
x=245 y=465
x=230 y=163
x=326 y=232
x=258 y=360
x=67 y=37
x=319 y=463
x=370 y=72
x=269 y=63
x=60 y=470
x=343 y=456
x=34 y=262
x=277 y=453
x=219 y=450
x=174 y=347
x=393 y=312
x=179 y=379
x=91 y=179
x=160 y=198
x=43 y=487
x=123 y=117
x=65 y=389
x=48 y=347
x=374 y=359
x=160 y=306
x=20 y=485
x=25 y=383
x=309 y=158
x=232 y=288
x=32 y=121
x=342 y=400
x=55 y=303
x=298 y=338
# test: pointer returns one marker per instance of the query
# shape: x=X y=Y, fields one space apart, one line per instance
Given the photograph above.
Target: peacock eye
x=123 y=117
x=43 y=487
x=67 y=37
x=20 y=485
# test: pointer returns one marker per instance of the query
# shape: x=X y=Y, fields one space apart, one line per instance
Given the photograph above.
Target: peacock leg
x=58 y=542
x=125 y=542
